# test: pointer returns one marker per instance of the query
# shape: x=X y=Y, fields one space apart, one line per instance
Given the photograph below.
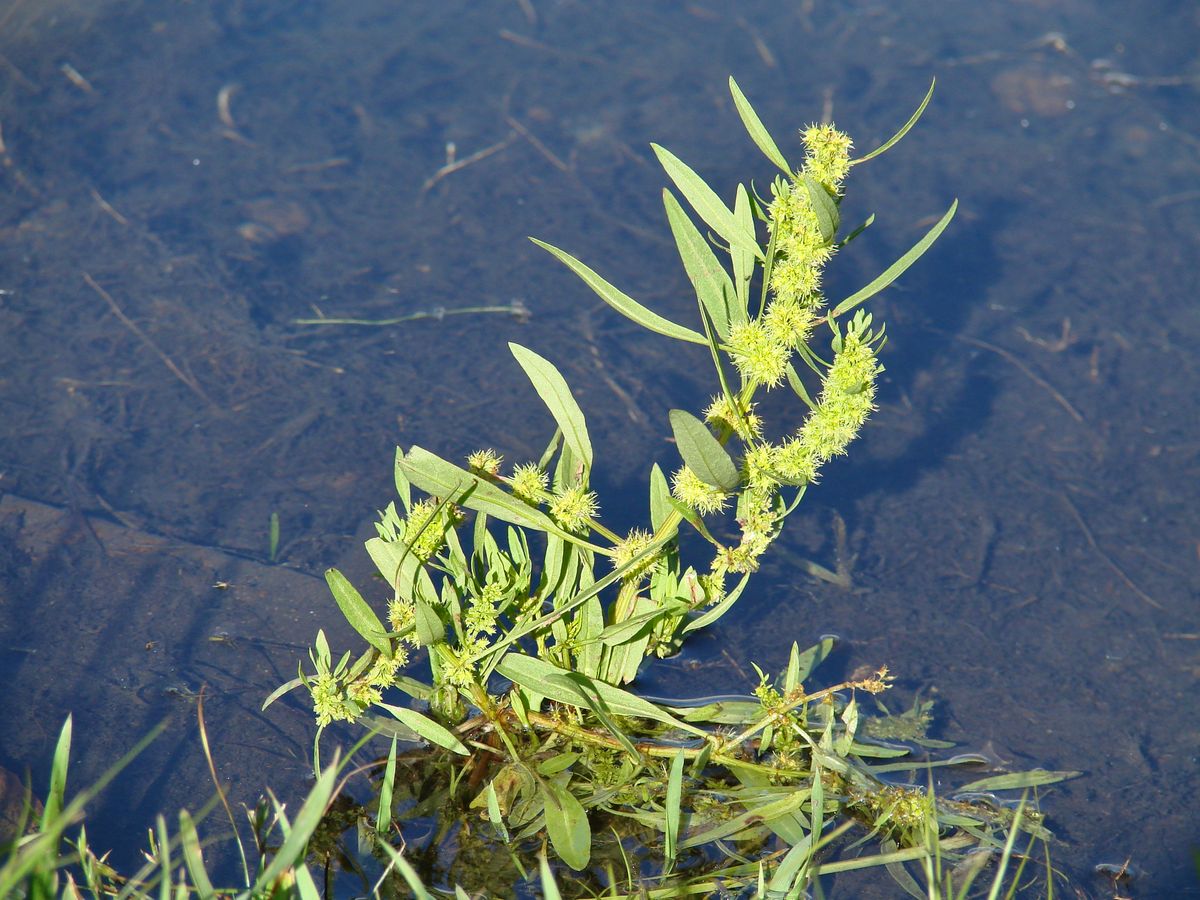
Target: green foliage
x=535 y=619
x=540 y=593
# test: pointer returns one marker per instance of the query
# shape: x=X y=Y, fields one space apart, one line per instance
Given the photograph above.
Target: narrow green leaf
x=294 y=845
x=706 y=203
x=494 y=814
x=192 y=857
x=673 y=807
x=1017 y=780
x=273 y=546
x=896 y=269
x=755 y=128
x=826 y=209
x=912 y=120
x=403 y=488
x=790 y=872
x=567 y=825
x=702 y=452
x=798 y=388
x=743 y=262
x=620 y=632
x=585 y=688
x=555 y=393
x=58 y=775
x=755 y=815
x=427 y=728
x=440 y=478
x=550 y=889
x=285 y=688
x=660 y=497
x=535 y=675
x=720 y=609
x=357 y=612
x=407 y=872
x=383 y=815
x=813 y=657
x=623 y=303
x=430 y=629
x=709 y=279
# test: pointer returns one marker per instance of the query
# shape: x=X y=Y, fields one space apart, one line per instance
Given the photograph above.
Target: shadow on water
x=180 y=183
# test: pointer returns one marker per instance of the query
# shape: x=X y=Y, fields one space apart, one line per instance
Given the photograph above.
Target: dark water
x=181 y=181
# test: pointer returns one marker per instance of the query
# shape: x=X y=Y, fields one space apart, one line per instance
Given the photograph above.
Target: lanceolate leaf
x=439 y=478
x=912 y=120
x=896 y=269
x=567 y=825
x=535 y=675
x=702 y=452
x=708 y=277
x=824 y=206
x=707 y=204
x=623 y=303
x=1018 y=780
x=754 y=127
x=357 y=612
x=553 y=390
x=660 y=497
x=743 y=262
x=427 y=728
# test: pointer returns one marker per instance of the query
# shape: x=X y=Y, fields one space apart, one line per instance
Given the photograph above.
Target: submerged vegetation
x=527 y=751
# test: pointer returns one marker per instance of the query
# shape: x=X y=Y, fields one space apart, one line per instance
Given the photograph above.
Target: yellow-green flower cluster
x=847 y=398
x=634 y=543
x=800 y=249
x=425 y=529
x=827 y=156
x=722 y=413
x=482 y=612
x=574 y=508
x=330 y=702
x=485 y=462
x=529 y=483
x=695 y=493
x=759 y=355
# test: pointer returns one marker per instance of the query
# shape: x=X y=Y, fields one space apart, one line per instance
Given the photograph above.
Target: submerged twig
x=516 y=308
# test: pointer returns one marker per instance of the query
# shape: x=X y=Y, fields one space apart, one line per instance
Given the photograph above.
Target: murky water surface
x=181 y=182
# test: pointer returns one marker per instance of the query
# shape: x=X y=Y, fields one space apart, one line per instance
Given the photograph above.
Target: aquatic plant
x=528 y=741
x=534 y=616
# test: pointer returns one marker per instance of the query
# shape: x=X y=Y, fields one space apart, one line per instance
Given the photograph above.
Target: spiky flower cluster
x=425 y=529
x=574 y=508
x=695 y=493
x=529 y=483
x=637 y=541
x=485 y=462
x=743 y=422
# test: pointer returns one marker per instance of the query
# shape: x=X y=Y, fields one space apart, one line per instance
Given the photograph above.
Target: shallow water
x=181 y=182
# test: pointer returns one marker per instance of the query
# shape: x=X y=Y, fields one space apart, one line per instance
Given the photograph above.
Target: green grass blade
x=896 y=269
x=623 y=303
x=58 y=775
x=407 y=872
x=706 y=203
x=383 y=815
x=672 y=808
x=192 y=857
x=755 y=128
x=294 y=844
x=358 y=613
x=912 y=120
x=743 y=262
x=553 y=389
